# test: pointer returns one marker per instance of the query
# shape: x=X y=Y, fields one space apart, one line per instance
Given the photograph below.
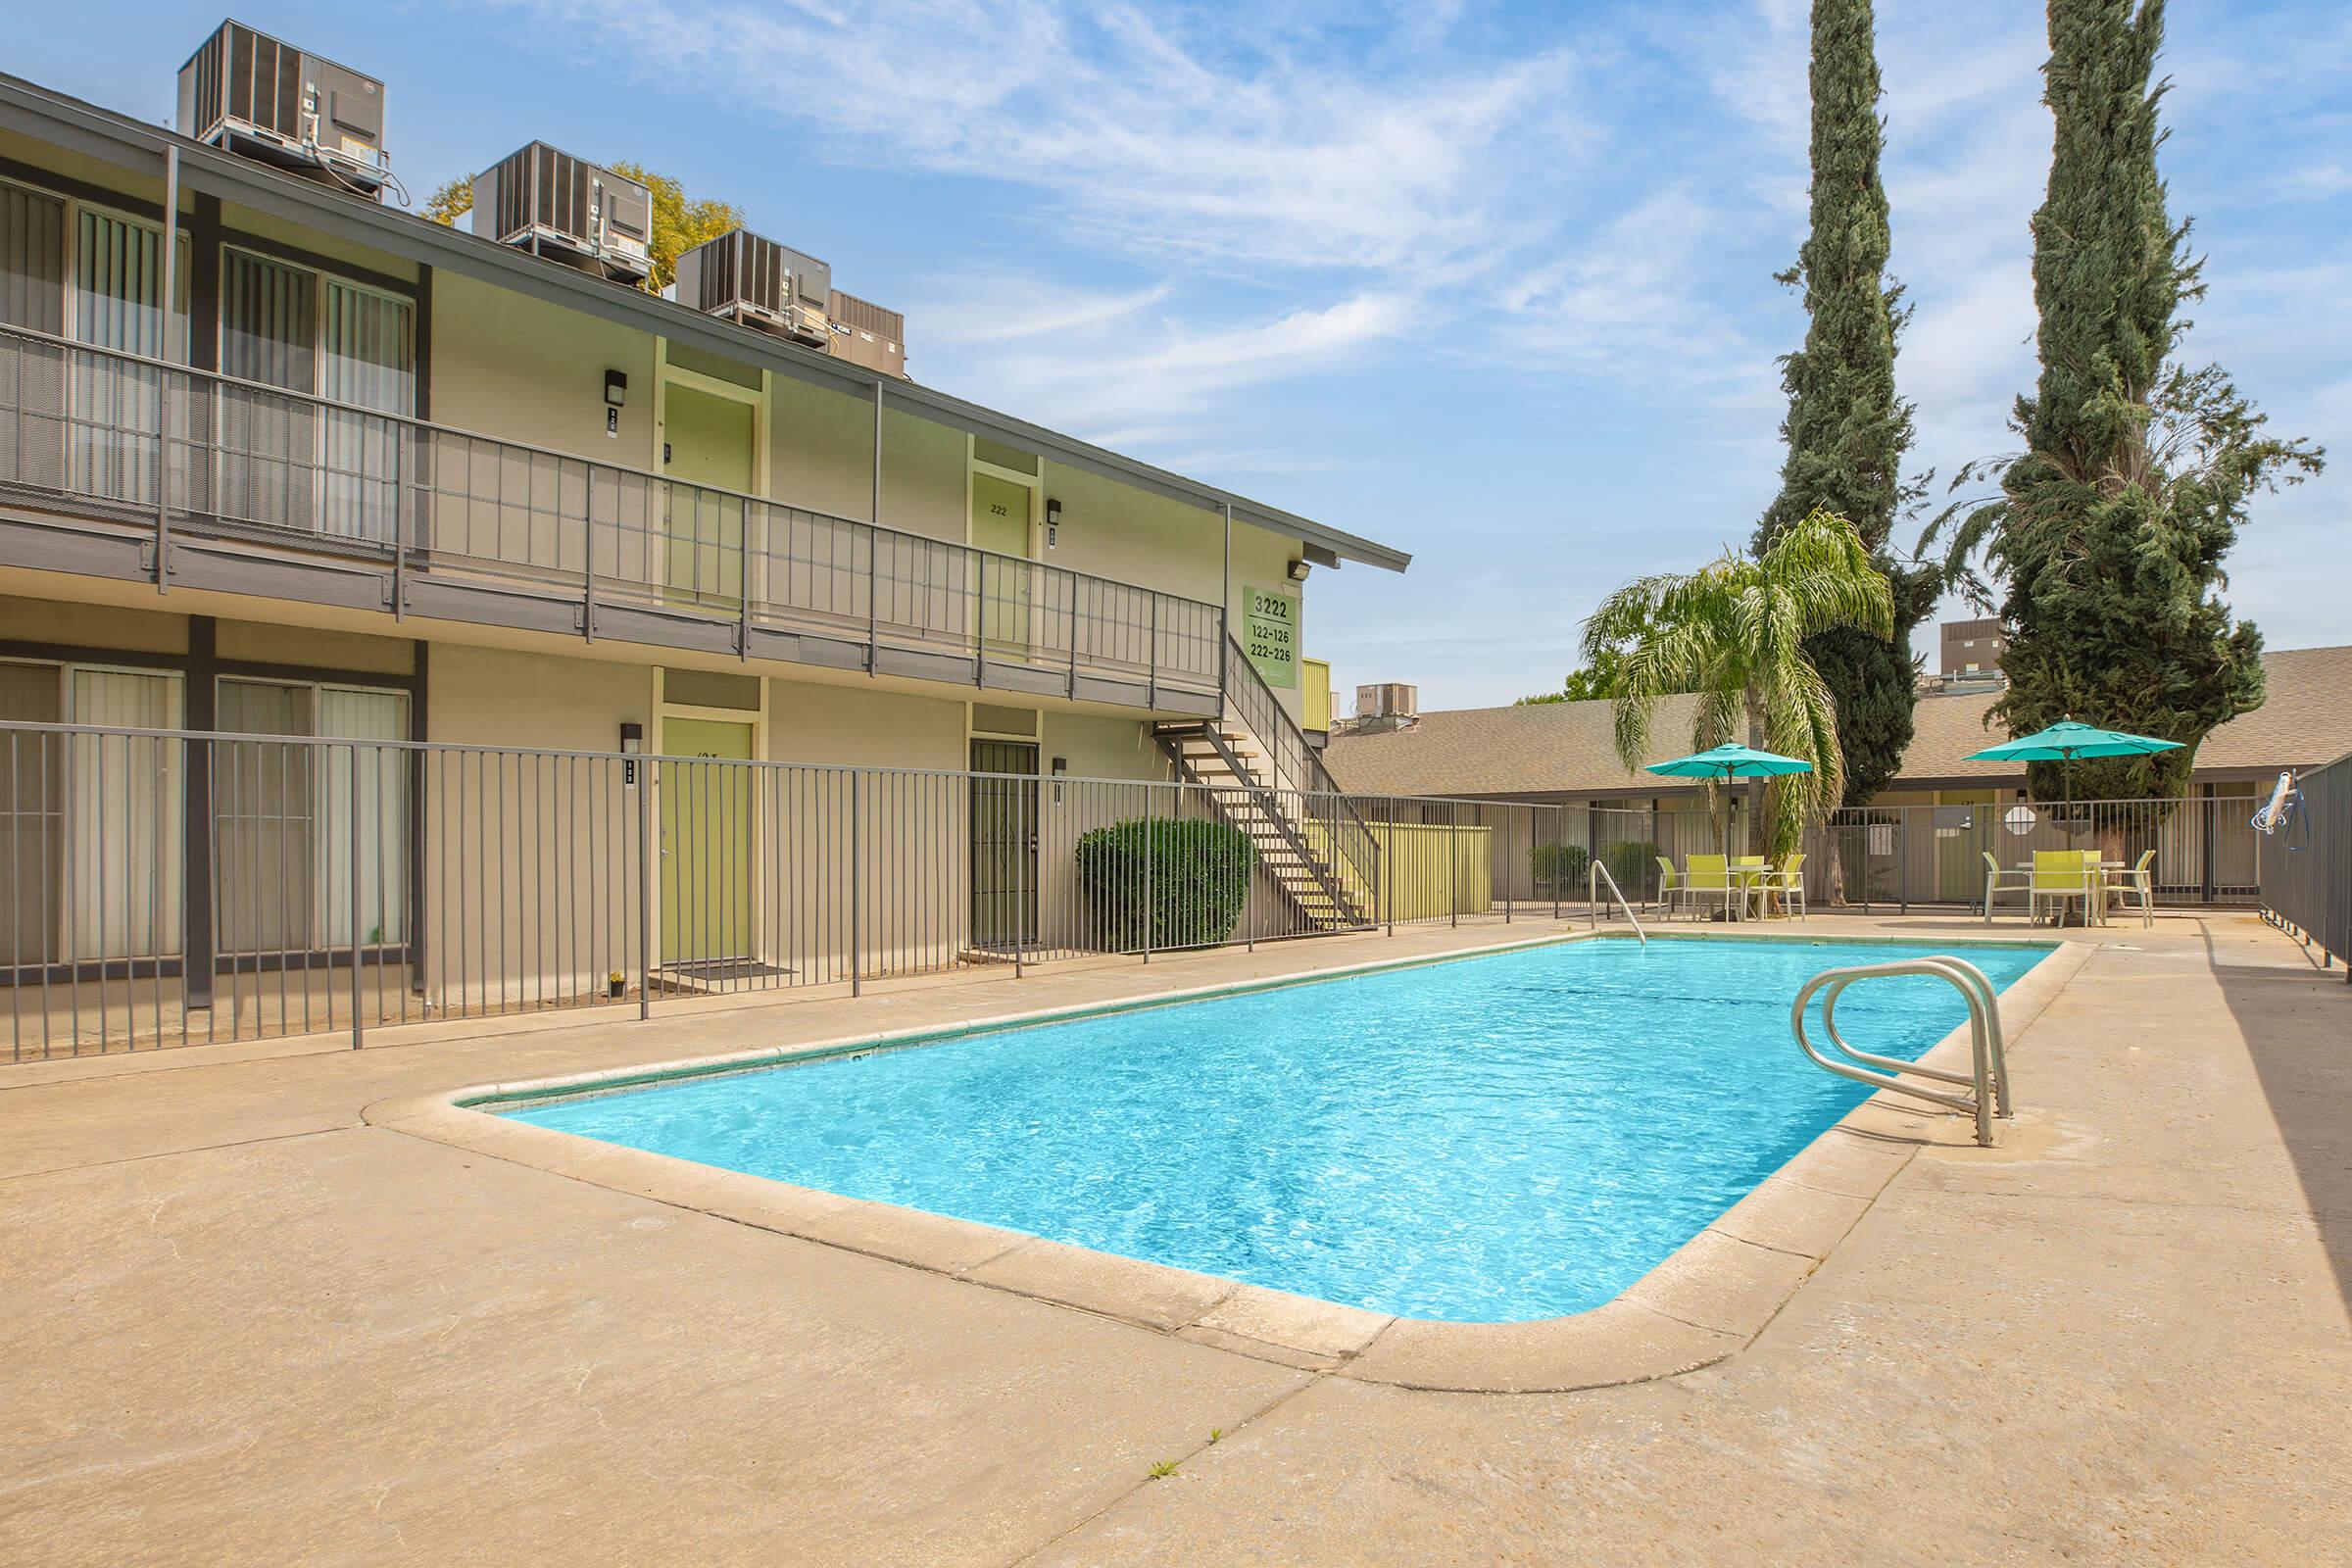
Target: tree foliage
x=681 y=221
x=2110 y=530
x=451 y=202
x=1737 y=632
x=1846 y=430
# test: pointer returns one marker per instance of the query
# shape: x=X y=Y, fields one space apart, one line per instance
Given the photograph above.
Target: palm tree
x=1734 y=633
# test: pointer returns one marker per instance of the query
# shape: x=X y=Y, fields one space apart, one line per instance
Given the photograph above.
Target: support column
x=199 y=713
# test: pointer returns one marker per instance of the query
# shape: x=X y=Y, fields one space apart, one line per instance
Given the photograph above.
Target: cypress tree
x=2111 y=527
x=1846 y=430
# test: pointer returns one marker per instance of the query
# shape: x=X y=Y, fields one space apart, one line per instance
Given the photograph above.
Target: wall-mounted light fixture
x=617 y=393
x=1062 y=770
x=1299 y=570
x=632 y=742
x=1052 y=523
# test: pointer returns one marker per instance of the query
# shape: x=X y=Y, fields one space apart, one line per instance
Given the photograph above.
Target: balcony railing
x=618 y=551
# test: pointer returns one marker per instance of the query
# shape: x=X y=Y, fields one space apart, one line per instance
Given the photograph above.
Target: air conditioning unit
x=759 y=282
x=569 y=210
x=248 y=93
x=864 y=334
x=1388 y=699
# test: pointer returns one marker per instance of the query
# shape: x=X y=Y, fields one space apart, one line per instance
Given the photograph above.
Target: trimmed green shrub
x=1631 y=862
x=1200 y=882
x=1559 y=866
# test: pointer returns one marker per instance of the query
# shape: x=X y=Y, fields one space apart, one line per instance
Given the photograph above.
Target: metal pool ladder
x=1594 y=878
x=1987 y=1078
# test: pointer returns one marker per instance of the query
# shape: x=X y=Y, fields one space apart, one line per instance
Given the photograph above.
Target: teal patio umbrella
x=2067 y=740
x=1725 y=764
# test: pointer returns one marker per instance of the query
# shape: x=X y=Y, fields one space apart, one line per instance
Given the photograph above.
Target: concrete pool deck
x=246 y=1325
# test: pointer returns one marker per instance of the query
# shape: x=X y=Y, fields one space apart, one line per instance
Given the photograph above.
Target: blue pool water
x=1488 y=1139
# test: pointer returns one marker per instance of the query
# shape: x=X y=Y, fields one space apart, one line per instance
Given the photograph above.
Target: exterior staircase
x=1264 y=778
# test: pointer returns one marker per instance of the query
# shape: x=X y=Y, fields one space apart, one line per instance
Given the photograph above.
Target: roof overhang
x=37 y=112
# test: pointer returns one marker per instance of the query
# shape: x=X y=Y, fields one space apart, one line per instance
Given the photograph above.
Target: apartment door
x=706 y=440
x=1003 y=843
x=1000 y=527
x=707 y=847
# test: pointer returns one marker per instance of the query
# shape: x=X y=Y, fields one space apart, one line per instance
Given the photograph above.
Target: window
x=32 y=261
x=295 y=829
x=90 y=826
x=290 y=463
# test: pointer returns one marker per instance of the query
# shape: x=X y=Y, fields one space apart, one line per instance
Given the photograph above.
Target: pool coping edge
x=1701 y=1303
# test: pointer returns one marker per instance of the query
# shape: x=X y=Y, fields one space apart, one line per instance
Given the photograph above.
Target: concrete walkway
x=242 y=1327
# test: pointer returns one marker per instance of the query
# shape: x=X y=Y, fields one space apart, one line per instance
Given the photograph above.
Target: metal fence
x=167 y=887
x=2200 y=850
x=443 y=505
x=173 y=886
x=2307 y=865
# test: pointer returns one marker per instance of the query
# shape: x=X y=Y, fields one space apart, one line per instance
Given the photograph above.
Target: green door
x=707 y=848
x=1004 y=845
x=1000 y=526
x=706 y=440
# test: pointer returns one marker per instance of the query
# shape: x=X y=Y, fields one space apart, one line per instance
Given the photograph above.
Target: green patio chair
x=2061 y=877
x=1709 y=876
x=1668 y=880
x=1786 y=882
x=2000 y=879
x=2140 y=880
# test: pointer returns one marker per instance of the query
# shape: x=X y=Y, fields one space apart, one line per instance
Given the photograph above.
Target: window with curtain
x=32 y=379
x=269 y=469
x=117 y=407
x=369 y=363
x=32 y=796
x=123 y=831
x=32 y=261
x=293 y=833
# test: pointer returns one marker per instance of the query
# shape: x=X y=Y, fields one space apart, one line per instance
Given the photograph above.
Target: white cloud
x=1149 y=135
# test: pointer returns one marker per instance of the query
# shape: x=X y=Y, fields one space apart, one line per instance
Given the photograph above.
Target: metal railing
x=168 y=887
x=187 y=452
x=1987 y=1077
x=2307 y=863
x=1595 y=876
x=1334 y=829
x=2206 y=851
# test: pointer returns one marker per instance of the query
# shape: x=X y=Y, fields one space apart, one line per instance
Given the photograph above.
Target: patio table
x=2094 y=907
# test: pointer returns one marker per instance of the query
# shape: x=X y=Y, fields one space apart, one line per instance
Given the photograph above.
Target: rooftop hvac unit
x=247 y=93
x=759 y=282
x=566 y=208
x=1388 y=699
x=864 y=334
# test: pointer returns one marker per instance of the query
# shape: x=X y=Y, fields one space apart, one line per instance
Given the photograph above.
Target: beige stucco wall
x=101 y=627
x=313 y=646
x=516 y=367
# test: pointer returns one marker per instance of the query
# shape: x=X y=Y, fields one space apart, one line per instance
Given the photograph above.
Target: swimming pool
x=1492 y=1139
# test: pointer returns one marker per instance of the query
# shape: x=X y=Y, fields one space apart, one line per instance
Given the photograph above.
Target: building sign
x=1271 y=636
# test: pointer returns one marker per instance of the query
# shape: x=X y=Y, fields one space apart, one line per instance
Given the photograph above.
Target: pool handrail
x=1989 y=1059
x=1597 y=873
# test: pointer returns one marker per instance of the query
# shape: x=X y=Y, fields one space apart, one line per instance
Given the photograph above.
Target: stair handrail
x=1989 y=1062
x=1597 y=873
x=1295 y=766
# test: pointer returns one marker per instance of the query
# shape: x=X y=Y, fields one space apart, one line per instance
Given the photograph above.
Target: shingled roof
x=1565 y=748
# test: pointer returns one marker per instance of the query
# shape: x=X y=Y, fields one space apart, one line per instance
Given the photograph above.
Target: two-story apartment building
x=372 y=479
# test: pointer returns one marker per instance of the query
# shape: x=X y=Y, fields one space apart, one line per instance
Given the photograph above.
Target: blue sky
x=1490 y=283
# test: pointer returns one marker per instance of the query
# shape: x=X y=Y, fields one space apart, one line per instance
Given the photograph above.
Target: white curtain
x=124 y=838
x=118 y=291
x=376 y=835
x=370 y=364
